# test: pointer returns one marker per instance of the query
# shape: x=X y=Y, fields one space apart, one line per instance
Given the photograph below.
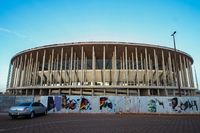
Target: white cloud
x=15 y=33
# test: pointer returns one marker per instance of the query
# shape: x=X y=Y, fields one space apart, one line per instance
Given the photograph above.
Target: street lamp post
x=176 y=64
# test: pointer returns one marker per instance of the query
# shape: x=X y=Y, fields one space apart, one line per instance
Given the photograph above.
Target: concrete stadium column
x=146 y=68
x=54 y=71
x=126 y=61
x=71 y=61
x=82 y=71
x=70 y=91
x=112 y=60
x=141 y=61
x=77 y=69
x=121 y=63
x=129 y=64
x=188 y=73
x=51 y=71
x=84 y=67
x=133 y=62
x=59 y=91
x=33 y=75
x=13 y=74
x=185 y=72
x=116 y=91
x=35 y=70
x=104 y=64
x=93 y=65
x=33 y=92
x=74 y=68
x=123 y=68
x=128 y=93
x=174 y=73
x=142 y=68
x=92 y=92
x=164 y=73
x=65 y=76
x=8 y=77
x=19 y=72
x=27 y=70
x=81 y=91
x=43 y=63
x=49 y=92
x=77 y=63
x=174 y=92
x=156 y=66
x=57 y=70
x=40 y=93
x=129 y=70
x=170 y=69
x=22 y=72
x=26 y=92
x=16 y=72
x=133 y=67
x=115 y=77
x=182 y=79
x=158 y=91
x=191 y=74
x=61 y=66
x=149 y=92
x=138 y=92
x=30 y=71
x=136 y=56
x=151 y=71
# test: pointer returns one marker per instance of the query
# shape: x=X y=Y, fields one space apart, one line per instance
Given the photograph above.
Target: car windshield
x=24 y=104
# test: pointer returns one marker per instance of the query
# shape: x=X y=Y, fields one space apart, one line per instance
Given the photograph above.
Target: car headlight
x=26 y=109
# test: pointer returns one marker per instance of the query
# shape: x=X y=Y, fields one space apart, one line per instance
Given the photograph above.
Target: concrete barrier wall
x=108 y=104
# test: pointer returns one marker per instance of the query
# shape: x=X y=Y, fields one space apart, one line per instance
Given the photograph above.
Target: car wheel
x=14 y=117
x=45 y=113
x=32 y=115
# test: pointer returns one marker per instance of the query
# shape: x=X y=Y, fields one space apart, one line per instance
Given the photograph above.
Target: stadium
x=101 y=69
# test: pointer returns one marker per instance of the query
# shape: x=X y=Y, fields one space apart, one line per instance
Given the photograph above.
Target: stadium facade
x=101 y=68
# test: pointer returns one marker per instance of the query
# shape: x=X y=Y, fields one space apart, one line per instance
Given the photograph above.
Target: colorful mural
x=57 y=103
x=151 y=105
x=85 y=104
x=105 y=103
x=111 y=104
x=154 y=105
x=184 y=104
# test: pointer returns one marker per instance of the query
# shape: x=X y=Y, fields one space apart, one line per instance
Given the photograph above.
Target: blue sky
x=26 y=24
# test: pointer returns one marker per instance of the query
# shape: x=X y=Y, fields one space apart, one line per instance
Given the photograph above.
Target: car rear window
x=24 y=104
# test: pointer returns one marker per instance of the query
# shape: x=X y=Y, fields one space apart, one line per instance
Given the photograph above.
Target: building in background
x=100 y=68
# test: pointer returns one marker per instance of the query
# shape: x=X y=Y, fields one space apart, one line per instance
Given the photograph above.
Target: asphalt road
x=102 y=123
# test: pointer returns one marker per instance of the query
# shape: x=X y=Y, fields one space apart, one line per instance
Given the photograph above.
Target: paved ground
x=102 y=123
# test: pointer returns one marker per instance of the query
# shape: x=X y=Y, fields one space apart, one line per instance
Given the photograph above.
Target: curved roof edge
x=101 y=42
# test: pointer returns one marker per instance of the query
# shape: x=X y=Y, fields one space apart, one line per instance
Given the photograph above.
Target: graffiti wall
x=109 y=104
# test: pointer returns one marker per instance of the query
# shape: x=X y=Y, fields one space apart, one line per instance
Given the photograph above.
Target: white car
x=27 y=109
